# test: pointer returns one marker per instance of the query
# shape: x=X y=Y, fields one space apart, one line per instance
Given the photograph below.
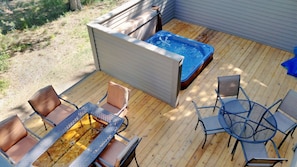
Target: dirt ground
x=60 y=56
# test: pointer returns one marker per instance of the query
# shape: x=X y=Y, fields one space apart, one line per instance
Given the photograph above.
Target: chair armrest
x=121 y=110
x=275 y=160
x=104 y=162
x=294 y=160
x=274 y=104
x=246 y=96
x=243 y=92
x=69 y=102
x=275 y=148
x=33 y=134
x=295 y=148
x=11 y=161
x=43 y=117
x=102 y=98
x=218 y=96
x=205 y=107
x=127 y=140
x=96 y=164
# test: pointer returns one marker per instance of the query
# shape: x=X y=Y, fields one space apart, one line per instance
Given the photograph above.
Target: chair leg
x=281 y=143
x=127 y=121
x=204 y=140
x=229 y=141
x=49 y=155
x=44 y=125
x=125 y=124
x=234 y=149
x=293 y=132
x=215 y=105
x=81 y=124
x=196 y=125
x=136 y=161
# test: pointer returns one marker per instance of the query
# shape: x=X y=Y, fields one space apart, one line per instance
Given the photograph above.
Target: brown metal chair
x=119 y=153
x=47 y=104
x=286 y=114
x=117 y=98
x=16 y=139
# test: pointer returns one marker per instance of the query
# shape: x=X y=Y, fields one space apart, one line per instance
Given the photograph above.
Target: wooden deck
x=168 y=135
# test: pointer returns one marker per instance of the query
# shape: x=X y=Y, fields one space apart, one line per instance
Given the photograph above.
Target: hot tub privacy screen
x=291 y=64
x=197 y=55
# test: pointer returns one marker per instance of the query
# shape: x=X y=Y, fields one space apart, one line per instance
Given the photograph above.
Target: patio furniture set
x=108 y=148
x=250 y=123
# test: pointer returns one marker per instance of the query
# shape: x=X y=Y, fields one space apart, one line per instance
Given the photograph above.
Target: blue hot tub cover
x=291 y=64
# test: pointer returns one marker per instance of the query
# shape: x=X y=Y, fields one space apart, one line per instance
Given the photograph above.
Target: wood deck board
x=169 y=138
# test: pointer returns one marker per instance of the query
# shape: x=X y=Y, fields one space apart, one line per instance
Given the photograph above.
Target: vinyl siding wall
x=134 y=8
x=271 y=22
x=142 y=65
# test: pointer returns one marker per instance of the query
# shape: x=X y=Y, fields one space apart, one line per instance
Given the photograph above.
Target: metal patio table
x=254 y=124
x=93 y=150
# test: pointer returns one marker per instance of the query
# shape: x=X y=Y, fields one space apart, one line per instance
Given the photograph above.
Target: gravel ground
x=60 y=56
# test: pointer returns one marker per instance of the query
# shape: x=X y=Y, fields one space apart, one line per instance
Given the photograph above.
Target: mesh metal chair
x=286 y=114
x=47 y=104
x=210 y=124
x=256 y=154
x=228 y=89
x=116 y=101
x=119 y=153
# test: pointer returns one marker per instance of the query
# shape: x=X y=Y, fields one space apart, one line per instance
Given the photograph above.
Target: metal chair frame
x=209 y=124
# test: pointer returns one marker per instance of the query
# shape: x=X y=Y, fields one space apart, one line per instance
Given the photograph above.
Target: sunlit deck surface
x=168 y=135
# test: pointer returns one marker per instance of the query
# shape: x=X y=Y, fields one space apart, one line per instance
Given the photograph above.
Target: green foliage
x=88 y=2
x=31 y=14
x=3 y=86
x=28 y=14
x=3 y=61
x=3 y=67
x=4 y=56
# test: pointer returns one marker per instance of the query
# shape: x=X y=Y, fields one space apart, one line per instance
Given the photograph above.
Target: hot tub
x=197 y=55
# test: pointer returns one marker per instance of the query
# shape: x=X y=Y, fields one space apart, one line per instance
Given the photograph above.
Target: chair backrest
x=289 y=104
x=264 y=161
x=228 y=85
x=126 y=156
x=11 y=131
x=45 y=100
x=117 y=95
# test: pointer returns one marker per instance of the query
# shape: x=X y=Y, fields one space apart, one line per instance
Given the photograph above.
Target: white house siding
x=271 y=22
